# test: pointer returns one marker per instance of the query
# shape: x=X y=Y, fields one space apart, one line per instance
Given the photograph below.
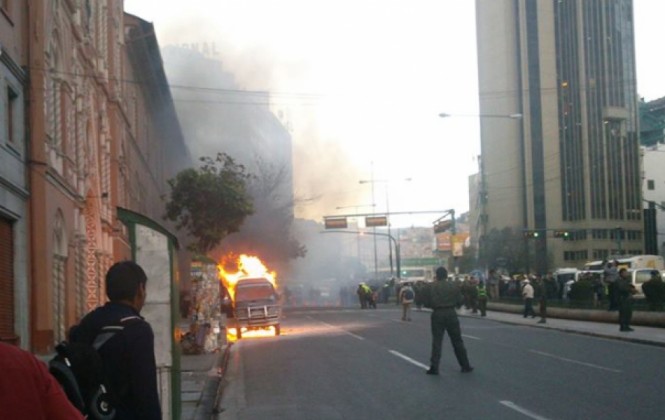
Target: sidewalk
x=642 y=334
x=200 y=377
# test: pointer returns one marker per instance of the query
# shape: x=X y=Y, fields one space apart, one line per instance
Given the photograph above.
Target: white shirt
x=527 y=291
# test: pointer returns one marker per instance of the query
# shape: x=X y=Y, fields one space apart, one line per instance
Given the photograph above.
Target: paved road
x=353 y=364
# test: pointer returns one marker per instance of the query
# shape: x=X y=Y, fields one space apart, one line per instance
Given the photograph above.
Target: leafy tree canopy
x=210 y=202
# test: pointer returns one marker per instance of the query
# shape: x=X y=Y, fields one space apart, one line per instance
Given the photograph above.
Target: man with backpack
x=128 y=356
x=406 y=298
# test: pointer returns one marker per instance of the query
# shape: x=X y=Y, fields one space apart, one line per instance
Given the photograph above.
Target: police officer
x=625 y=291
x=443 y=297
x=482 y=298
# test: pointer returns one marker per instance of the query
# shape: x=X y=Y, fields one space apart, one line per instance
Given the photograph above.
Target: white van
x=631 y=262
x=638 y=278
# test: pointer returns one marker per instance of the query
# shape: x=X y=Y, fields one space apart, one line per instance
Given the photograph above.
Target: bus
x=631 y=262
x=415 y=274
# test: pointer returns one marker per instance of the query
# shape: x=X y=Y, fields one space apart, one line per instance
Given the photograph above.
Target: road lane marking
x=522 y=410
x=563 y=359
x=408 y=359
x=471 y=337
x=337 y=328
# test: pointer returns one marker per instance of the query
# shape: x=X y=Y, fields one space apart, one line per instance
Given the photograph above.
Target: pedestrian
x=527 y=295
x=551 y=286
x=406 y=298
x=472 y=293
x=493 y=282
x=482 y=298
x=29 y=391
x=542 y=299
x=362 y=295
x=419 y=288
x=610 y=278
x=444 y=297
x=466 y=294
x=654 y=291
x=129 y=356
x=624 y=292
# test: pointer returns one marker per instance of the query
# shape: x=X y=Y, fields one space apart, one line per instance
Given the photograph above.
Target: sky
x=362 y=83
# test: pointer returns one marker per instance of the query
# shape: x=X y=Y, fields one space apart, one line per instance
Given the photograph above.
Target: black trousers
x=443 y=320
x=625 y=312
x=482 y=305
x=528 y=307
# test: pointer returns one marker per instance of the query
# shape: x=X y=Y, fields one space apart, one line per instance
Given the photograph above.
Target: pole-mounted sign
x=372 y=221
x=335 y=223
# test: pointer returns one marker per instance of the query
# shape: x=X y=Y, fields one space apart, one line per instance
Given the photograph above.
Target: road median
x=649 y=319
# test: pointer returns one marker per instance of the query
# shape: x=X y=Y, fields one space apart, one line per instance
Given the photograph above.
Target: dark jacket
x=444 y=294
x=129 y=360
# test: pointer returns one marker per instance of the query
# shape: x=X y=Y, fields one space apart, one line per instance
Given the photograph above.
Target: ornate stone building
x=99 y=111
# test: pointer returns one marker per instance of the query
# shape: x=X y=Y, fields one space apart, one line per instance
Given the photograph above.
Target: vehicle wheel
x=277 y=329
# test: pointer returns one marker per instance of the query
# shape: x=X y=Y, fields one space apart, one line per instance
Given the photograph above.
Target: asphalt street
x=363 y=364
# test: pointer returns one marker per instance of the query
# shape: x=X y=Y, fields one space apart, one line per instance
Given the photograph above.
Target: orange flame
x=248 y=266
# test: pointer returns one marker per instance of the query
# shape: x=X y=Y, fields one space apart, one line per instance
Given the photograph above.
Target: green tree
x=210 y=202
x=505 y=249
x=467 y=262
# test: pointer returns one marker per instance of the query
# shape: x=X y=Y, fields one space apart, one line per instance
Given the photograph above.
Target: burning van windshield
x=254 y=291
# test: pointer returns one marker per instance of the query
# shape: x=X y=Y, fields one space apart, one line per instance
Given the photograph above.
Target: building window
x=575 y=255
x=651 y=185
x=599 y=234
x=12 y=112
x=600 y=254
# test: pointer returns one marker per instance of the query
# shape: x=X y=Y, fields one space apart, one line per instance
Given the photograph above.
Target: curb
x=646 y=319
x=216 y=410
x=205 y=409
x=569 y=330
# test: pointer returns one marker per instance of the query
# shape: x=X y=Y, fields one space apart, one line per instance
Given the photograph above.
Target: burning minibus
x=255 y=307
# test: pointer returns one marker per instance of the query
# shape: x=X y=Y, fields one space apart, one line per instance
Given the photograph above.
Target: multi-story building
x=652 y=139
x=653 y=187
x=104 y=136
x=14 y=226
x=652 y=122
x=571 y=162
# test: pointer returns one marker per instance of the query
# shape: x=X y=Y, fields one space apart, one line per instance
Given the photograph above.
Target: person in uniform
x=482 y=298
x=625 y=291
x=444 y=297
x=654 y=291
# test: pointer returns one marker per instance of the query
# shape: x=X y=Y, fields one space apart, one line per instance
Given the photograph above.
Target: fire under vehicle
x=256 y=305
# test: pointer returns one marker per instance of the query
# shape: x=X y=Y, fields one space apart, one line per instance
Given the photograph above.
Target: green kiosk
x=154 y=248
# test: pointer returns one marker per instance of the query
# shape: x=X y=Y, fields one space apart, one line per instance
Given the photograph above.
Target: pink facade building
x=99 y=133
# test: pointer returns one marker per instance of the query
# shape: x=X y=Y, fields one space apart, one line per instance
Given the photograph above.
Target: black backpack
x=408 y=294
x=79 y=369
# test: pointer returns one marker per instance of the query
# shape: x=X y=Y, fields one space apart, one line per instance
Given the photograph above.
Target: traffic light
x=442 y=226
x=531 y=234
x=561 y=234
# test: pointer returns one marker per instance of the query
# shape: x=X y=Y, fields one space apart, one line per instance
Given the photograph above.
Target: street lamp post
x=358 y=236
x=481 y=167
x=398 y=258
x=386 y=182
